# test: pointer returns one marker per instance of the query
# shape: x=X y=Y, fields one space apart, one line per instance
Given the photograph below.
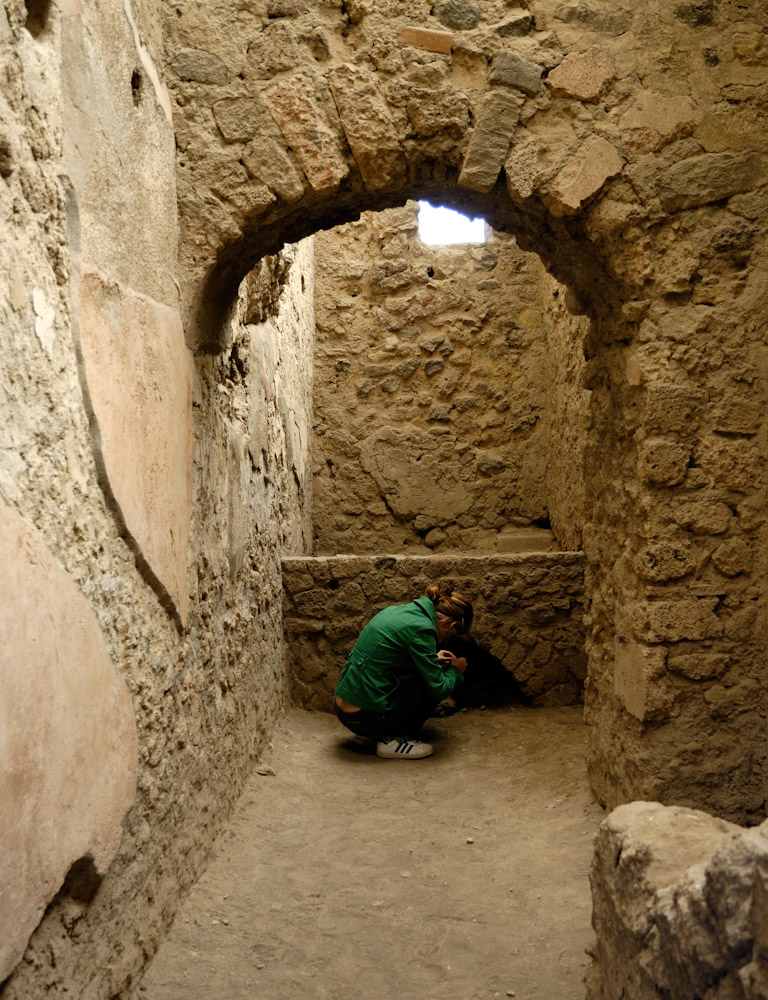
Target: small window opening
x=440 y=226
x=37 y=16
x=136 y=86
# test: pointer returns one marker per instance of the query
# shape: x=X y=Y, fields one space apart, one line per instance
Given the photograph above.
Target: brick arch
x=328 y=117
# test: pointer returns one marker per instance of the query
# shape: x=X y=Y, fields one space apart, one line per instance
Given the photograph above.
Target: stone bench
x=528 y=612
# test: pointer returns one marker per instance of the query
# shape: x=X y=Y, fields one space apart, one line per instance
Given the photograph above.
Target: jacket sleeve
x=422 y=649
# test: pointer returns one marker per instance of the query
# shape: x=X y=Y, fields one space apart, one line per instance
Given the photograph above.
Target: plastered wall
x=145 y=498
x=429 y=392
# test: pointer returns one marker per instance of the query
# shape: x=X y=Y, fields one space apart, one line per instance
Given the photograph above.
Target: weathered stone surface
x=238 y=118
x=306 y=119
x=267 y=159
x=670 y=407
x=69 y=759
x=733 y=557
x=523 y=167
x=275 y=50
x=518 y=24
x=461 y=15
x=637 y=670
x=443 y=112
x=583 y=76
x=490 y=140
x=511 y=70
x=611 y=22
x=709 y=177
x=669 y=909
x=671 y=621
x=582 y=177
x=200 y=66
x=655 y=120
x=139 y=376
x=369 y=128
x=423 y=38
x=679 y=906
x=662 y=462
x=732 y=461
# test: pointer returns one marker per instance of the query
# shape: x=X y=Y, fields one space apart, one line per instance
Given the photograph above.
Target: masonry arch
x=293 y=117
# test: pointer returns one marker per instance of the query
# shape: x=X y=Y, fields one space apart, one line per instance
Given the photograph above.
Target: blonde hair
x=453 y=609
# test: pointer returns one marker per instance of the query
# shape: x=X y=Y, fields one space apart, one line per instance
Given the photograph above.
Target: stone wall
x=429 y=392
x=628 y=149
x=679 y=907
x=528 y=612
x=568 y=416
x=145 y=498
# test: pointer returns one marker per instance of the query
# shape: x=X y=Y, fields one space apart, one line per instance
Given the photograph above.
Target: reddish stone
x=430 y=41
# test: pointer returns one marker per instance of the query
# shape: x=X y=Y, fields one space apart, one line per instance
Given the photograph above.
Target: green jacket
x=393 y=642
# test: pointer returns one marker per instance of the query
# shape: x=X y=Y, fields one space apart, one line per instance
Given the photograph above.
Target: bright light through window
x=440 y=226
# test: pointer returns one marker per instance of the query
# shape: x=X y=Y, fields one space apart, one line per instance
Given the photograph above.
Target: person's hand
x=460 y=662
x=444 y=657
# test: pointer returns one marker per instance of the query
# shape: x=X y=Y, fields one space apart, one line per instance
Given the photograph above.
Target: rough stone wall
x=679 y=907
x=145 y=497
x=528 y=613
x=567 y=410
x=429 y=391
x=627 y=147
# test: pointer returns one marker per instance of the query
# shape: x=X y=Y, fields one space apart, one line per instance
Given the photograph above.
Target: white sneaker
x=402 y=749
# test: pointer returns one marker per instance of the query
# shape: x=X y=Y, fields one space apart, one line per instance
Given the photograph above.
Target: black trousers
x=412 y=706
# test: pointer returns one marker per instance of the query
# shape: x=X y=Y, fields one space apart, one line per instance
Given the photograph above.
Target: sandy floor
x=348 y=877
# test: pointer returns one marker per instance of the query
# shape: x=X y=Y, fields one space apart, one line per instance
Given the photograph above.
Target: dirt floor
x=347 y=877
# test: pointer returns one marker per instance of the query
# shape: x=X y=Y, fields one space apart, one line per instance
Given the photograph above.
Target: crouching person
x=395 y=676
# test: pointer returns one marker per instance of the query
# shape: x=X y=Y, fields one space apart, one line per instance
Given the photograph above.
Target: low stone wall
x=528 y=612
x=680 y=906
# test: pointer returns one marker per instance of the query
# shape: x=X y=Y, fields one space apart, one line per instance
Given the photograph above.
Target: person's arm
x=422 y=649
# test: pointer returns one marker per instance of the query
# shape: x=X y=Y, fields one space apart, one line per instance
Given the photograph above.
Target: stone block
x=655 y=120
x=438 y=112
x=423 y=38
x=583 y=176
x=238 y=118
x=267 y=159
x=308 y=119
x=69 y=747
x=637 y=670
x=518 y=24
x=461 y=15
x=200 y=66
x=673 y=621
x=656 y=932
x=710 y=177
x=733 y=556
x=511 y=70
x=703 y=516
x=671 y=408
x=698 y=666
x=139 y=374
x=370 y=130
x=665 y=560
x=662 y=462
x=490 y=140
x=523 y=166
x=732 y=461
x=583 y=75
x=607 y=22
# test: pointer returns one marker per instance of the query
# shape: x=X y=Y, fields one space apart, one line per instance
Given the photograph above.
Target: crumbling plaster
x=157 y=492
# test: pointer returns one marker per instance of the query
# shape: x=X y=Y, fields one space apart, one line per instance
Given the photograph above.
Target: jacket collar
x=428 y=608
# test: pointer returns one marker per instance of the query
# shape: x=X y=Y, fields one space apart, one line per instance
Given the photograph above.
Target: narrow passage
x=347 y=877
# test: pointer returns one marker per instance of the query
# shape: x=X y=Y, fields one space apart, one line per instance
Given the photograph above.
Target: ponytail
x=453 y=609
